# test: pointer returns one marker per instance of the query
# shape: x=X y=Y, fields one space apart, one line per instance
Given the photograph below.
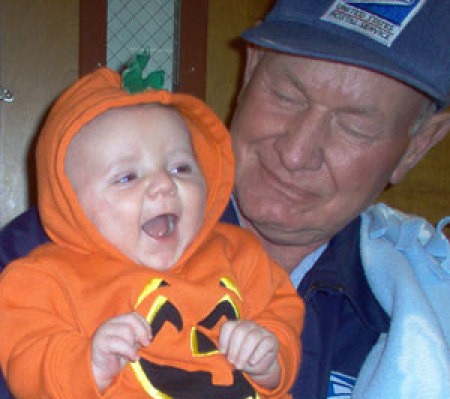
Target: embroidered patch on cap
x=381 y=20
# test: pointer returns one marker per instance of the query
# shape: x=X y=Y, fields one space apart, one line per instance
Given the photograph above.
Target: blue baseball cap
x=408 y=40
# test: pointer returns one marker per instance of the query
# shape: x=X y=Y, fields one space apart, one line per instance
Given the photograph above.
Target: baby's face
x=136 y=176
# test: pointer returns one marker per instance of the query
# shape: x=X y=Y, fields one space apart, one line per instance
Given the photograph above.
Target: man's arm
x=20 y=236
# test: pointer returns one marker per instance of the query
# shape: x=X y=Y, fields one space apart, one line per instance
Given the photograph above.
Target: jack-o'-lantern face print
x=183 y=361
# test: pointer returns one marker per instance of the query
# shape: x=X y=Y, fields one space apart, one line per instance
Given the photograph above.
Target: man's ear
x=429 y=135
x=253 y=57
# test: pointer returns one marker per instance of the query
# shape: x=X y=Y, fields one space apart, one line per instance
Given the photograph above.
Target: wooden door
x=38 y=59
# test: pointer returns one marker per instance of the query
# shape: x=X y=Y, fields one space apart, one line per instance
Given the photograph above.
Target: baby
x=142 y=292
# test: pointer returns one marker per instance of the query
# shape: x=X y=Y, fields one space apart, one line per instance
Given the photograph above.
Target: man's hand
x=252 y=349
x=115 y=344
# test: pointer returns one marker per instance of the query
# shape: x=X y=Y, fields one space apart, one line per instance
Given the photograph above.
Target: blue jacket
x=20 y=236
x=343 y=318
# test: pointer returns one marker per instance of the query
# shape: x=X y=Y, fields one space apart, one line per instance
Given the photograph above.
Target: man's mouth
x=161 y=226
x=288 y=190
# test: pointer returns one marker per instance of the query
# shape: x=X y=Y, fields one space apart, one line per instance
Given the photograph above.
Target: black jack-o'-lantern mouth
x=162 y=381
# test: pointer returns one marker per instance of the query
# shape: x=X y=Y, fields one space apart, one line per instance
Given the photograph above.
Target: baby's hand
x=253 y=349
x=115 y=343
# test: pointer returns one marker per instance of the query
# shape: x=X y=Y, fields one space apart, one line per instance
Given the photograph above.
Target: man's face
x=137 y=179
x=315 y=143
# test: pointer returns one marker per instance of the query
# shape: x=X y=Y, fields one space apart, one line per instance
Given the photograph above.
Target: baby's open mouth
x=160 y=226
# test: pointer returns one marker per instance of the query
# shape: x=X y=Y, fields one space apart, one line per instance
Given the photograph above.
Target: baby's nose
x=161 y=184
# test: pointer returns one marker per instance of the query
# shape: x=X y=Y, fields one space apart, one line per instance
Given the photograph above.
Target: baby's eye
x=126 y=178
x=181 y=169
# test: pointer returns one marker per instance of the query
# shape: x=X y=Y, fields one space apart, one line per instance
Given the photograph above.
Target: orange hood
x=61 y=214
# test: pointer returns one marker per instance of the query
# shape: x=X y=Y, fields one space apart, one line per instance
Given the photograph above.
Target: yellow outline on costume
x=227 y=298
x=145 y=382
x=194 y=346
x=231 y=285
x=156 y=307
x=151 y=286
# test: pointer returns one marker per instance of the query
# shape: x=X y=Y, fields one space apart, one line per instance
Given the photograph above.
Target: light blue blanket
x=407 y=263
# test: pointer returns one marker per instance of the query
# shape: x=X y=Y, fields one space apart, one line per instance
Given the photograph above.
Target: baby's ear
x=426 y=138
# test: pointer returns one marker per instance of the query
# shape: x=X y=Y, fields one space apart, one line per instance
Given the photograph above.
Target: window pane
x=137 y=24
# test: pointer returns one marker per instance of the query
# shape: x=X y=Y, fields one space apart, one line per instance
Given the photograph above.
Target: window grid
x=137 y=24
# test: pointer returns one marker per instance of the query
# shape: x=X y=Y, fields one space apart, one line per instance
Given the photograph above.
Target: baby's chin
x=162 y=261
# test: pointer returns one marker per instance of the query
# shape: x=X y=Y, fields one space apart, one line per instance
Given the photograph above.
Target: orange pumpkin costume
x=52 y=301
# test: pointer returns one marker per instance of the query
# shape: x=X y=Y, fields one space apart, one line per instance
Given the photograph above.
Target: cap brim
x=305 y=40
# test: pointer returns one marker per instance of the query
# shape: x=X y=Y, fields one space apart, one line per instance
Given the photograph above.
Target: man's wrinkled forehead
x=310 y=75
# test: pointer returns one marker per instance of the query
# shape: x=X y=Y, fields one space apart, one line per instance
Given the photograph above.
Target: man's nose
x=300 y=147
x=160 y=184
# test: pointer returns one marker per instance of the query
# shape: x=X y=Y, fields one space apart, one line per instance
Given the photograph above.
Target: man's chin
x=286 y=233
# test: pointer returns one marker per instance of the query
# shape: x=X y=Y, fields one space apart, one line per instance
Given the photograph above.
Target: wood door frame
x=193 y=42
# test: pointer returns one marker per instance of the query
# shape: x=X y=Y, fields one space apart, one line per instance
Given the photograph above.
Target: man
x=339 y=99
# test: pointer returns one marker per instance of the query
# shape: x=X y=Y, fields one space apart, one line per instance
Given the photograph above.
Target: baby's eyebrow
x=183 y=151
x=120 y=162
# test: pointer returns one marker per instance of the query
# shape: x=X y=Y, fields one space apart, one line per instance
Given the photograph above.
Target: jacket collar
x=339 y=269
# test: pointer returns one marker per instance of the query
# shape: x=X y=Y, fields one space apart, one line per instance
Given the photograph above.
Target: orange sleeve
x=271 y=301
x=42 y=349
